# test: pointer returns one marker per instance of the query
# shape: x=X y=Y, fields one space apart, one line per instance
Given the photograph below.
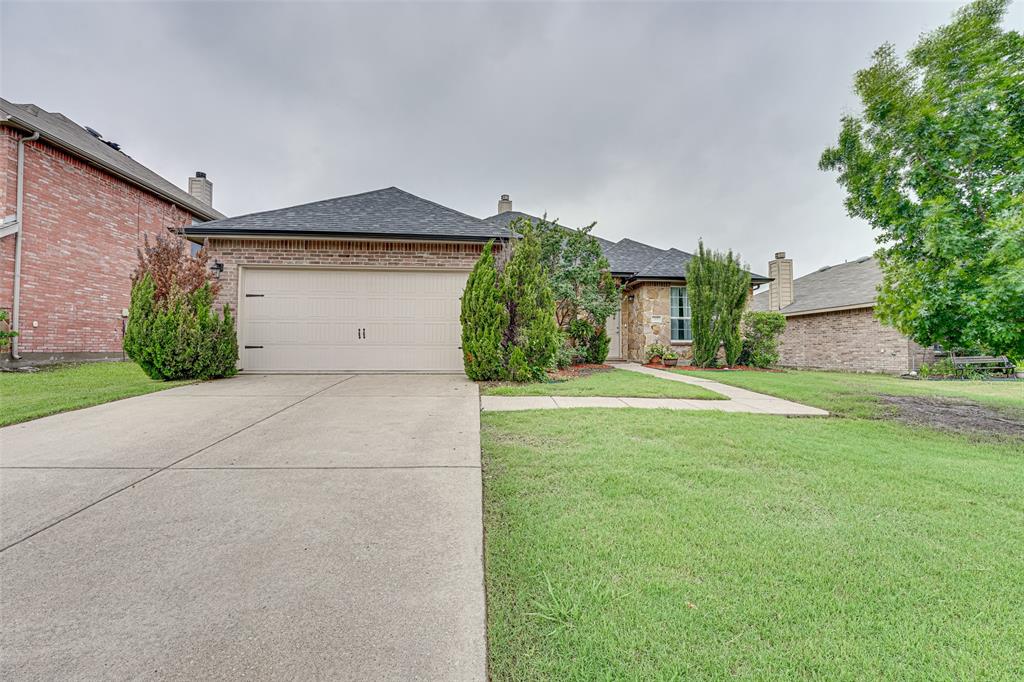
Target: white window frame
x=673 y=316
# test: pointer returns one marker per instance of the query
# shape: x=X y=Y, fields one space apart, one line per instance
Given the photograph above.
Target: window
x=194 y=248
x=682 y=329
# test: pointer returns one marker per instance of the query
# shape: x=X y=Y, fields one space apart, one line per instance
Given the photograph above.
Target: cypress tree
x=532 y=328
x=483 y=319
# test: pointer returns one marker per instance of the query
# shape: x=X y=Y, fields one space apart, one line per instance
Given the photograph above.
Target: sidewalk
x=739 y=399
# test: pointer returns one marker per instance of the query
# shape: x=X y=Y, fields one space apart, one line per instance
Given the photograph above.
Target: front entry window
x=682 y=328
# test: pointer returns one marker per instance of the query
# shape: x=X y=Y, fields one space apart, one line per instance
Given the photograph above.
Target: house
x=74 y=209
x=373 y=281
x=366 y=282
x=830 y=320
x=655 y=308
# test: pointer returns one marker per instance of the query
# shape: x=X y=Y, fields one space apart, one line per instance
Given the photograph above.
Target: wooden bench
x=982 y=363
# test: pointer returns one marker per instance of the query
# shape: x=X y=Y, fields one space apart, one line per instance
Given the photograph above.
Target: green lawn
x=855 y=395
x=616 y=383
x=647 y=544
x=29 y=395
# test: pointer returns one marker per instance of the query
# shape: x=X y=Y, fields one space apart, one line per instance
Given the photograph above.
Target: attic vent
x=823 y=268
x=865 y=259
x=95 y=133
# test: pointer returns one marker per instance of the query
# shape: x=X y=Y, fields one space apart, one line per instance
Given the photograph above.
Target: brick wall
x=851 y=340
x=81 y=229
x=335 y=253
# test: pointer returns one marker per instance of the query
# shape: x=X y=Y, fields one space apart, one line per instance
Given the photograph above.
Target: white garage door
x=296 y=320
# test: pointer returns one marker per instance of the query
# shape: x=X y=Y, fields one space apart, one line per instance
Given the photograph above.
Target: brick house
x=373 y=281
x=655 y=308
x=74 y=208
x=830 y=320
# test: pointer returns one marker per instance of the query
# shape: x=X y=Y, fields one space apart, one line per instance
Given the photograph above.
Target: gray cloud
x=664 y=122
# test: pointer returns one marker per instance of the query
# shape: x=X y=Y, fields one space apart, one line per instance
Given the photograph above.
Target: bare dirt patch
x=953 y=415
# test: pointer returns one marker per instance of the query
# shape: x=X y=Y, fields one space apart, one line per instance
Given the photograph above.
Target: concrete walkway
x=259 y=527
x=739 y=399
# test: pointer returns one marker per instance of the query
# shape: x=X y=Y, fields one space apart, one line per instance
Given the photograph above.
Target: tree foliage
x=508 y=322
x=935 y=163
x=717 y=287
x=483 y=319
x=578 y=272
x=173 y=331
x=761 y=330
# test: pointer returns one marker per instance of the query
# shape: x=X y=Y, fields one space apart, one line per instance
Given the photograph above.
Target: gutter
x=19 y=238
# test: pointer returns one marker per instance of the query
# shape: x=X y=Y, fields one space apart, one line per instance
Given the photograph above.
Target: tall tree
x=935 y=163
x=531 y=338
x=717 y=286
x=483 y=319
x=577 y=270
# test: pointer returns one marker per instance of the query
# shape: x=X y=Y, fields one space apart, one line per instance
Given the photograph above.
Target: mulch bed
x=694 y=368
x=953 y=415
x=571 y=372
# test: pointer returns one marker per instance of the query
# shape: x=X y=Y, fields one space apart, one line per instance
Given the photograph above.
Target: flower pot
x=655 y=360
x=670 y=362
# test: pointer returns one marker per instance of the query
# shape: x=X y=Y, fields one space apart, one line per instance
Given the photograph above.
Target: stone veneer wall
x=650 y=299
x=386 y=254
x=851 y=340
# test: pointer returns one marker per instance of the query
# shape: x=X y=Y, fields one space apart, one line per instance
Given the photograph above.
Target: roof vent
x=95 y=133
x=865 y=259
x=823 y=268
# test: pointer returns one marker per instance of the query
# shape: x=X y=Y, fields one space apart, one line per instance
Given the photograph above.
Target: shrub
x=6 y=333
x=484 y=320
x=173 y=331
x=718 y=287
x=565 y=354
x=761 y=332
x=600 y=343
x=510 y=302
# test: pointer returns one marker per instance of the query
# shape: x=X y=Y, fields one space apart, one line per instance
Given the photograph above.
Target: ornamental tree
x=717 y=286
x=935 y=163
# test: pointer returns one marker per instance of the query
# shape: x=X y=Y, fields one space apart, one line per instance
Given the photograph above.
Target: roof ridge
x=447 y=208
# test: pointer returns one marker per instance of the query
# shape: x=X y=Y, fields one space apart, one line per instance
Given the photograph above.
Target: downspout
x=18 y=237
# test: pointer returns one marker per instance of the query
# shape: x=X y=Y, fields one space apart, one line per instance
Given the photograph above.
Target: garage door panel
x=310 y=320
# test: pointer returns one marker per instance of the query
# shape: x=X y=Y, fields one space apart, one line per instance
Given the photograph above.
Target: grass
x=616 y=383
x=647 y=544
x=25 y=395
x=856 y=395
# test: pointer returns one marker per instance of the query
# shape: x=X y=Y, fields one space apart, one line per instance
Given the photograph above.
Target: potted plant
x=655 y=353
x=670 y=359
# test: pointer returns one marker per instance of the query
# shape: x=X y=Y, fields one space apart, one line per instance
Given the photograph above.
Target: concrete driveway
x=284 y=526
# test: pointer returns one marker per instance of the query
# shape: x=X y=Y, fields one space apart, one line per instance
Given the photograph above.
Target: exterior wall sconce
x=217 y=268
x=632 y=297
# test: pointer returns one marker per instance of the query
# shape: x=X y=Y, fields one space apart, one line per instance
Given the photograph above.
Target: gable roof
x=630 y=258
x=60 y=131
x=852 y=284
x=388 y=212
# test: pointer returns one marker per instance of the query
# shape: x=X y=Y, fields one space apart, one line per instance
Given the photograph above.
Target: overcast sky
x=664 y=122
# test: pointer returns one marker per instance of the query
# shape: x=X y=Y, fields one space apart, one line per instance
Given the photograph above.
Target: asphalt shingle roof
x=629 y=257
x=837 y=286
x=382 y=212
x=62 y=131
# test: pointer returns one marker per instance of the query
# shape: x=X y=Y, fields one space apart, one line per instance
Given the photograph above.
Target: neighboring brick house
x=67 y=254
x=655 y=307
x=830 y=321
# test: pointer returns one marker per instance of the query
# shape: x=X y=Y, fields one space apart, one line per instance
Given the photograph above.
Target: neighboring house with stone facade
x=830 y=320
x=655 y=308
x=74 y=209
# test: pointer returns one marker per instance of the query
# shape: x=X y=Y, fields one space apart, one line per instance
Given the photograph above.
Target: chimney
x=201 y=188
x=504 y=204
x=780 y=292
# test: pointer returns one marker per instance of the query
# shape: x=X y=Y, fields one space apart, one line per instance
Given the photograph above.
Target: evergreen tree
x=530 y=305
x=483 y=319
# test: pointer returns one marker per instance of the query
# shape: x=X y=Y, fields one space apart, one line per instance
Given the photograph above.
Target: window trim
x=673 y=317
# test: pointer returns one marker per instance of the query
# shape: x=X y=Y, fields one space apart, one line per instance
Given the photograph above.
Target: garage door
x=294 y=320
